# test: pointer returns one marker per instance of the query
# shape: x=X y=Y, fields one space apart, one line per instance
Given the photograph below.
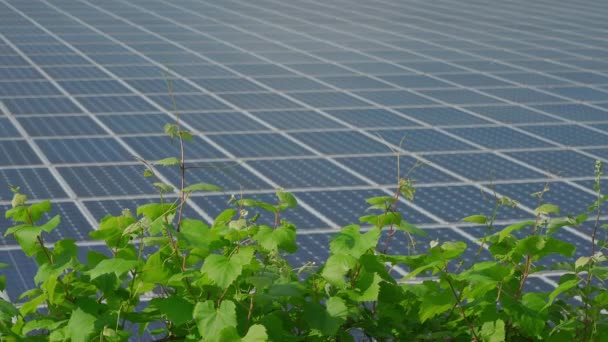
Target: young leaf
x=36 y=210
x=224 y=217
x=175 y=308
x=547 y=209
x=336 y=268
x=222 y=270
x=256 y=333
x=435 y=303
x=116 y=265
x=7 y=311
x=155 y=210
x=563 y=287
x=185 y=135
x=81 y=325
x=274 y=239
x=351 y=242
x=493 y=331
x=514 y=227
x=411 y=229
x=287 y=198
x=168 y=161
x=382 y=220
x=27 y=237
x=211 y=322
x=318 y=318
x=367 y=288
x=163 y=187
x=480 y=219
x=202 y=187
x=51 y=224
x=18 y=200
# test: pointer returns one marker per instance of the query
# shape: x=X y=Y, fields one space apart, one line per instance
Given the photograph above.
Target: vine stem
x=46 y=251
x=182 y=167
x=250 y=312
x=598 y=174
x=459 y=303
x=391 y=231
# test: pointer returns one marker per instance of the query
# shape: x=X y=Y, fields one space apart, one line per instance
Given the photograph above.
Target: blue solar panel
x=498 y=137
x=292 y=120
x=371 y=117
x=303 y=95
x=41 y=105
x=483 y=166
x=83 y=150
x=60 y=125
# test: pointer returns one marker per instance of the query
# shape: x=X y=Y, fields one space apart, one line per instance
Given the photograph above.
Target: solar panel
x=314 y=97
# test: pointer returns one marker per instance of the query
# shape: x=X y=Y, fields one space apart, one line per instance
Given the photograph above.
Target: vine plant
x=228 y=280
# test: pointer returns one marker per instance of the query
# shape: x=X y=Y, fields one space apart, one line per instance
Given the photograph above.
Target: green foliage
x=230 y=280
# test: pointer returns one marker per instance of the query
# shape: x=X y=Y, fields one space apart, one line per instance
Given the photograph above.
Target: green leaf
x=116 y=265
x=452 y=250
x=163 y=187
x=272 y=240
x=51 y=224
x=329 y=319
x=27 y=237
x=351 y=242
x=36 y=210
x=224 y=217
x=528 y=314
x=318 y=318
x=202 y=187
x=547 y=209
x=514 y=227
x=382 y=220
x=222 y=270
x=81 y=325
x=434 y=303
x=18 y=214
x=196 y=234
x=175 y=308
x=411 y=229
x=211 y=322
x=539 y=247
x=256 y=333
x=185 y=135
x=287 y=198
x=493 y=331
x=33 y=305
x=367 y=287
x=41 y=323
x=14 y=229
x=156 y=270
x=259 y=204
x=18 y=200
x=581 y=262
x=480 y=219
x=168 y=161
x=336 y=267
x=374 y=264
x=171 y=129
x=7 y=310
x=380 y=202
x=228 y=334
x=155 y=210
x=563 y=287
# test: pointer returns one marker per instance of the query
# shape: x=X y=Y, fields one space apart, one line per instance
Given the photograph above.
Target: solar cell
x=304 y=95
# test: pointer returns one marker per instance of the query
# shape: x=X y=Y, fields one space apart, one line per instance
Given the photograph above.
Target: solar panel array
x=314 y=96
